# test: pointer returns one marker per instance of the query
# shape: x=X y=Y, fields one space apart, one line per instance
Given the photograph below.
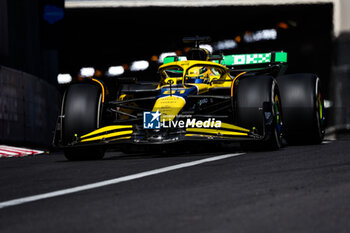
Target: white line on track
x=100 y=184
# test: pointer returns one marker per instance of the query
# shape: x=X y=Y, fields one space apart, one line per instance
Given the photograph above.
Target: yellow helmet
x=195 y=72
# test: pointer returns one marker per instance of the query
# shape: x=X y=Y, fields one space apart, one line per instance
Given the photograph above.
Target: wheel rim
x=277 y=111
x=320 y=113
x=320 y=108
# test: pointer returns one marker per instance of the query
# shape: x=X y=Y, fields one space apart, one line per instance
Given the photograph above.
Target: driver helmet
x=196 y=74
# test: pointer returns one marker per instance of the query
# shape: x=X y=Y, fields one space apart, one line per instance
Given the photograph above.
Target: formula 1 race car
x=200 y=97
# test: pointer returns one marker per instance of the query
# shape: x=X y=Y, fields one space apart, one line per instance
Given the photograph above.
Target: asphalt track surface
x=296 y=189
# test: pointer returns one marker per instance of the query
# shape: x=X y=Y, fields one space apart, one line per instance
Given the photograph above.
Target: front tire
x=82 y=114
x=258 y=107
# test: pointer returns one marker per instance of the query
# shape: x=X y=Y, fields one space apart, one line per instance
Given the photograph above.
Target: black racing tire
x=82 y=107
x=258 y=107
x=304 y=120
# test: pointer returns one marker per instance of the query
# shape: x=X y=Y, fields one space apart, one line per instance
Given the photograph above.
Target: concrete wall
x=341 y=98
x=341 y=71
x=341 y=82
x=28 y=108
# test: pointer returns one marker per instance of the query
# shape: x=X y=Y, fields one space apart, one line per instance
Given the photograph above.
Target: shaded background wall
x=29 y=99
x=27 y=41
x=103 y=37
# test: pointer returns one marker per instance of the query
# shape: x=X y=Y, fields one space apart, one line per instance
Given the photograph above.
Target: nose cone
x=169 y=107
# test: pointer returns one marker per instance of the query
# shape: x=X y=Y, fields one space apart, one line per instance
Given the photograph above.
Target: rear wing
x=240 y=59
x=253 y=59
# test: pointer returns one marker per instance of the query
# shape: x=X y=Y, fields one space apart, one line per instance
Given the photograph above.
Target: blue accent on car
x=178 y=90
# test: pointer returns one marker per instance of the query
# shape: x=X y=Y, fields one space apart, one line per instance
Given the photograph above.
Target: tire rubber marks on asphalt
x=10 y=151
x=100 y=184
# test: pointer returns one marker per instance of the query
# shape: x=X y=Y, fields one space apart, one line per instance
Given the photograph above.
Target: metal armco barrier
x=28 y=108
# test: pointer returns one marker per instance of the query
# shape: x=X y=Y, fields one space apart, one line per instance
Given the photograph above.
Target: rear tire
x=302 y=108
x=82 y=114
x=258 y=107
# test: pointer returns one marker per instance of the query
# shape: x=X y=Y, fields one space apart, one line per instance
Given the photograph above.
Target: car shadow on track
x=170 y=151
